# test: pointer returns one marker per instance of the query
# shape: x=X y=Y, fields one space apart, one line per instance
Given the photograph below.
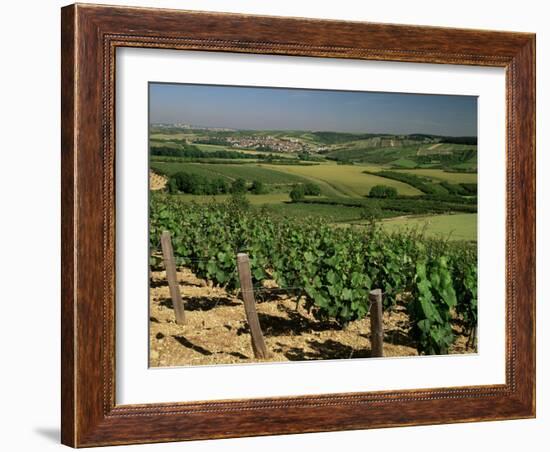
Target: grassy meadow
x=453 y=226
x=346 y=180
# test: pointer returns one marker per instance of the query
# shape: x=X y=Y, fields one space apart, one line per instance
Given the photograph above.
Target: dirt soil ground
x=216 y=331
x=156 y=181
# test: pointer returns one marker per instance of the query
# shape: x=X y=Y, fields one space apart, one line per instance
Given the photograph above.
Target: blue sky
x=301 y=109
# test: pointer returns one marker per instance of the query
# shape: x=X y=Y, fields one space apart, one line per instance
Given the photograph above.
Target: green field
x=440 y=175
x=249 y=172
x=172 y=136
x=278 y=204
x=339 y=172
x=218 y=147
x=334 y=214
x=406 y=153
x=384 y=155
x=404 y=163
x=413 y=151
x=455 y=226
x=345 y=180
x=257 y=200
x=460 y=226
x=165 y=143
x=335 y=181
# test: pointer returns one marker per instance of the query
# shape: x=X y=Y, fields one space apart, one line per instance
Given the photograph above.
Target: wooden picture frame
x=90 y=36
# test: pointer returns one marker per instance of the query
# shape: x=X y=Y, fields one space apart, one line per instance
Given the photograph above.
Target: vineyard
x=328 y=270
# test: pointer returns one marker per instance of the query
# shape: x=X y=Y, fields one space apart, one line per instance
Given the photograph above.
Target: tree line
x=190 y=151
x=197 y=184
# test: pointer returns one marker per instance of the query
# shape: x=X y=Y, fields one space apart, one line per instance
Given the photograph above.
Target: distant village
x=259 y=142
x=271 y=143
x=277 y=142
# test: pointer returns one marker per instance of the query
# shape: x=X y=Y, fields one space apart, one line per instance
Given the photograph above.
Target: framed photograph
x=281 y=225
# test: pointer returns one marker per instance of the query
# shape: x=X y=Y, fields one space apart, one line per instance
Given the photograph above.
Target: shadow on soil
x=328 y=349
x=187 y=343
x=200 y=303
x=238 y=355
x=294 y=323
x=154 y=283
x=398 y=337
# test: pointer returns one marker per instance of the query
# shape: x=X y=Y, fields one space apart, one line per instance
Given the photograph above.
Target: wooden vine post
x=376 y=325
x=172 y=277
x=245 y=277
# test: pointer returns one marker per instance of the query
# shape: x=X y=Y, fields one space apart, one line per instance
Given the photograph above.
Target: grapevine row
x=336 y=267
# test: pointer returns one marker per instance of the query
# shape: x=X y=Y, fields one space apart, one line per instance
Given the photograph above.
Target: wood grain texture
x=247 y=292
x=90 y=36
x=172 y=276
x=68 y=220
x=376 y=324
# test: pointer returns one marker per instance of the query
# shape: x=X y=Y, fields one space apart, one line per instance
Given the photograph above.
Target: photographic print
x=297 y=224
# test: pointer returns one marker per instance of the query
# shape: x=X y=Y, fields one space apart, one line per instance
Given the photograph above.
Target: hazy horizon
x=288 y=109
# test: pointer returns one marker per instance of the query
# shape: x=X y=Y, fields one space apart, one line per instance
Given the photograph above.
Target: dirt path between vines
x=216 y=331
